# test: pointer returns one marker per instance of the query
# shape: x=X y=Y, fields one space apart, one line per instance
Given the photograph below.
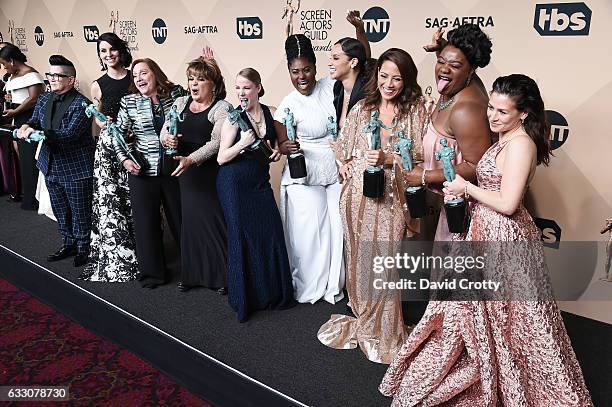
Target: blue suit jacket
x=67 y=152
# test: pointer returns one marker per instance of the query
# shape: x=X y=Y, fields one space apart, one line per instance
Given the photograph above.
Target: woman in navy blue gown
x=258 y=272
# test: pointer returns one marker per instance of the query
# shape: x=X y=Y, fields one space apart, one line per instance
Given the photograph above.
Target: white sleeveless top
x=18 y=87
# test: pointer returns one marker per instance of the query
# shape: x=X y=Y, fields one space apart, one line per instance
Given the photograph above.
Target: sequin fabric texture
x=491 y=353
x=373 y=227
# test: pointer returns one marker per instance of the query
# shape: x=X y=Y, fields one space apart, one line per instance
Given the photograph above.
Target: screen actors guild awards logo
x=288 y=12
x=11 y=28
x=114 y=19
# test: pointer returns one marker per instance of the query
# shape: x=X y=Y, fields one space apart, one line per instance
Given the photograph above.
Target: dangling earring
x=469 y=79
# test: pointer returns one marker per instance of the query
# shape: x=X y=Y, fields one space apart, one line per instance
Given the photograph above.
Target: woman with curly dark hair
x=375 y=227
x=509 y=348
x=461 y=113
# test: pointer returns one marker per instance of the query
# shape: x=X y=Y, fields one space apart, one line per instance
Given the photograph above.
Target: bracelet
x=423 y=182
x=465 y=191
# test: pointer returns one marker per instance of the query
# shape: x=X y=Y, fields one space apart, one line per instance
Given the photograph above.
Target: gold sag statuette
x=289 y=11
x=11 y=28
x=114 y=19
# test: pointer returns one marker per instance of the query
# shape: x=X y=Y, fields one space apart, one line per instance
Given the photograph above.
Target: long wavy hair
x=408 y=70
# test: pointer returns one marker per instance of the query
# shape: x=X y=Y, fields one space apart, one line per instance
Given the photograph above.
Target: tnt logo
x=91 y=33
x=159 y=31
x=377 y=23
x=562 y=19
x=559 y=129
x=551 y=232
x=249 y=28
x=39 y=36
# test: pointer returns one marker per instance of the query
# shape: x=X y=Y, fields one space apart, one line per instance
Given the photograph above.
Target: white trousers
x=314 y=237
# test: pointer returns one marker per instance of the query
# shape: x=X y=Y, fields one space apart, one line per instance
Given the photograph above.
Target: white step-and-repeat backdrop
x=564 y=46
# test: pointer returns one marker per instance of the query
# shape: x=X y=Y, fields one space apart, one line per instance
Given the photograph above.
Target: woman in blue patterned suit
x=141 y=117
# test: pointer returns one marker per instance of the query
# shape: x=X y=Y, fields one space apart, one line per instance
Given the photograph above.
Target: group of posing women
x=219 y=205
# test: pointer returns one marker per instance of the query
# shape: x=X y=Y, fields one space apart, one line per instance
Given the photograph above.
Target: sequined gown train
x=372 y=227
x=492 y=353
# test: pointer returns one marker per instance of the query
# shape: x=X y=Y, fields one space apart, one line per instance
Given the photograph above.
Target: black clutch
x=140 y=160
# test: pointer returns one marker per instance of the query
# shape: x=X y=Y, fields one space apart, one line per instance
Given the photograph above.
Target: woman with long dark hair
x=512 y=350
x=113 y=248
x=376 y=226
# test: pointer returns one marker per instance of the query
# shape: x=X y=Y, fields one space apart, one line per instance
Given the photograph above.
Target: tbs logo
x=562 y=19
x=159 y=31
x=377 y=22
x=91 y=33
x=249 y=28
x=559 y=129
x=39 y=36
x=551 y=232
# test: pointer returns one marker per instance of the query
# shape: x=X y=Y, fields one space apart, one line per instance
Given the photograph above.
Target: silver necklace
x=443 y=104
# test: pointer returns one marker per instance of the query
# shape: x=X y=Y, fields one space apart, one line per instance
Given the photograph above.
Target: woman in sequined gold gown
x=507 y=352
x=376 y=227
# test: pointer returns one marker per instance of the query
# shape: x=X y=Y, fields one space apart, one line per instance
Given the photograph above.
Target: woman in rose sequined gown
x=491 y=353
x=376 y=227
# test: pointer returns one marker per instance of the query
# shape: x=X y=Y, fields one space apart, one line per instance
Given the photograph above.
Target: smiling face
x=144 y=79
x=303 y=74
x=390 y=82
x=201 y=89
x=109 y=55
x=247 y=92
x=502 y=113
x=452 y=70
x=339 y=63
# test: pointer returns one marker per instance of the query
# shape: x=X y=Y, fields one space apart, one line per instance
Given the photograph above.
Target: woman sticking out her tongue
x=460 y=115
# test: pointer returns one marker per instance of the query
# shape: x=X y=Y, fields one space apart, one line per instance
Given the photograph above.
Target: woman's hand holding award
x=415 y=196
x=374 y=176
x=297 y=162
x=455 y=208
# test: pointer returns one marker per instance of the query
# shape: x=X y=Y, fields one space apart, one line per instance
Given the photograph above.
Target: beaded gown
x=112 y=256
x=488 y=353
x=372 y=227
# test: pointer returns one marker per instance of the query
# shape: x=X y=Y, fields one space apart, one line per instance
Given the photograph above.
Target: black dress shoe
x=222 y=291
x=62 y=253
x=81 y=259
x=184 y=287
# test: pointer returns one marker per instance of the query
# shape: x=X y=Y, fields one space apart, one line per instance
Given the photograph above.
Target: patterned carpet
x=40 y=346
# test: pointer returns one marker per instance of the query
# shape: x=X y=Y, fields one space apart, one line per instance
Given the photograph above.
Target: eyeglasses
x=56 y=76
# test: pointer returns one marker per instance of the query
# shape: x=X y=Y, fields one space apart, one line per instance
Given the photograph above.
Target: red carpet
x=40 y=346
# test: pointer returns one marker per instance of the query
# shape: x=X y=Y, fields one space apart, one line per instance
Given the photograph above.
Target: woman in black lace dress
x=113 y=254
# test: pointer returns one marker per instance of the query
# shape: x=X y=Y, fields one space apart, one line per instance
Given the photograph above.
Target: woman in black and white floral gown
x=113 y=248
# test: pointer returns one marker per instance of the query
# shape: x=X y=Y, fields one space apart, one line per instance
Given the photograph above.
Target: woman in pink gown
x=508 y=352
x=459 y=117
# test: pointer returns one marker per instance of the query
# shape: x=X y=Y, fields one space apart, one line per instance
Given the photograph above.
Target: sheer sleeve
x=344 y=145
